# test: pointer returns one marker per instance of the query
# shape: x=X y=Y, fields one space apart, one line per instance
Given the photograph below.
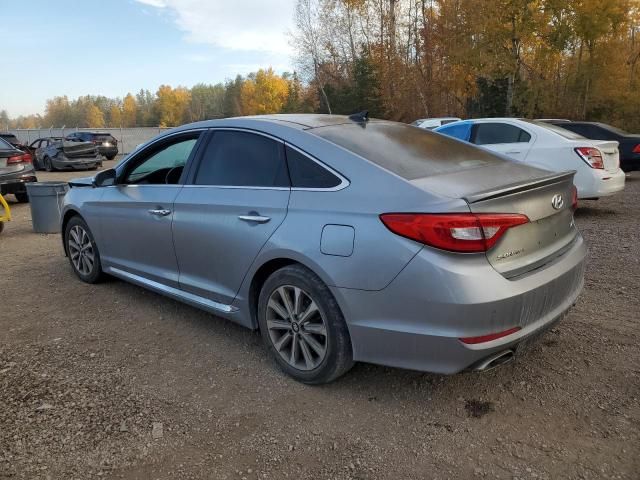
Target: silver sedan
x=341 y=239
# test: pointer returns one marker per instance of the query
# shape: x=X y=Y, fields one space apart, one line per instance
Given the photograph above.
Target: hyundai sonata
x=341 y=239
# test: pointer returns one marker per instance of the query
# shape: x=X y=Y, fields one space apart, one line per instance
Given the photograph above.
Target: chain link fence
x=128 y=138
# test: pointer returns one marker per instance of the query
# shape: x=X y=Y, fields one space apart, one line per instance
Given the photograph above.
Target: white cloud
x=248 y=25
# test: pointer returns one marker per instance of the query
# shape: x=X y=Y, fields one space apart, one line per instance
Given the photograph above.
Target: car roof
x=293 y=120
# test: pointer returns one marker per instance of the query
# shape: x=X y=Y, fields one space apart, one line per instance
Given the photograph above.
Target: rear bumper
x=416 y=322
x=81 y=163
x=603 y=184
x=15 y=182
x=631 y=163
x=108 y=151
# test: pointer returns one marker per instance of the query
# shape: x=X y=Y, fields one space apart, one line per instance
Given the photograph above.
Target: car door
x=136 y=213
x=510 y=140
x=235 y=199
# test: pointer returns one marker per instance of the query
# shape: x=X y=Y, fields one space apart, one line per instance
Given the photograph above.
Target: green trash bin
x=46 y=205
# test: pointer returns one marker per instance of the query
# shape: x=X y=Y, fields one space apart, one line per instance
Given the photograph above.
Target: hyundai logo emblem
x=557 y=202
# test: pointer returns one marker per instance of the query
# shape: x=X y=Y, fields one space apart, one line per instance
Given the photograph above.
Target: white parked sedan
x=431 y=123
x=596 y=162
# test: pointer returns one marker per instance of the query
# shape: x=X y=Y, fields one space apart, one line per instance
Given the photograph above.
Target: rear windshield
x=557 y=129
x=9 y=137
x=617 y=130
x=4 y=145
x=406 y=151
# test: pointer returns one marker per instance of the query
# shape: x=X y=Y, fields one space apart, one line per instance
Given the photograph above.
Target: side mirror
x=105 y=178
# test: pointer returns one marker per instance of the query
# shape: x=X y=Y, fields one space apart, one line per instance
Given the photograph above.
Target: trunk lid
x=12 y=167
x=78 y=149
x=551 y=229
x=610 y=154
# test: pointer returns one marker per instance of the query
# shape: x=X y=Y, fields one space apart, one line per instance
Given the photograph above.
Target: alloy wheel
x=81 y=250
x=296 y=327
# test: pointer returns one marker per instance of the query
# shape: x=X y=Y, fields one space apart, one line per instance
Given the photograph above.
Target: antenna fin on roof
x=360 y=117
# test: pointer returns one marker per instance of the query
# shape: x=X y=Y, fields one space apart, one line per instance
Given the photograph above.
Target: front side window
x=242 y=159
x=163 y=164
x=495 y=133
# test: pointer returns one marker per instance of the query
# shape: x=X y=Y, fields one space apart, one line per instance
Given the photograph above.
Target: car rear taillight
x=574 y=198
x=636 y=149
x=592 y=156
x=489 y=337
x=455 y=232
x=24 y=158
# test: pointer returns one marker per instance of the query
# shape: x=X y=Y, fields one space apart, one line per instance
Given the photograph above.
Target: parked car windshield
x=409 y=152
x=4 y=145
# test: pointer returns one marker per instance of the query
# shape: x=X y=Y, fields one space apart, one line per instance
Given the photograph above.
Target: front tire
x=82 y=251
x=302 y=326
x=48 y=164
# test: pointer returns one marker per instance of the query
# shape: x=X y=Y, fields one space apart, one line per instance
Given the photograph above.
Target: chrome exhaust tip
x=494 y=361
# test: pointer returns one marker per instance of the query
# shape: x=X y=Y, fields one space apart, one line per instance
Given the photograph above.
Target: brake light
x=488 y=338
x=24 y=158
x=592 y=156
x=574 y=198
x=636 y=149
x=455 y=232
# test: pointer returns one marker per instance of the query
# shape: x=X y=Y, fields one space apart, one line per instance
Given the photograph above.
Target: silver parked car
x=341 y=239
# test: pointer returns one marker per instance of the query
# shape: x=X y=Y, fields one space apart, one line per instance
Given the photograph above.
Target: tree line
x=261 y=92
x=408 y=59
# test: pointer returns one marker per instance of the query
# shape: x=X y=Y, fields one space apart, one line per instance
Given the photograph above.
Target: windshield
x=408 y=152
x=4 y=145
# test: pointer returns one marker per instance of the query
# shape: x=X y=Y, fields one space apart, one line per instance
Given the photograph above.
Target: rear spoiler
x=520 y=186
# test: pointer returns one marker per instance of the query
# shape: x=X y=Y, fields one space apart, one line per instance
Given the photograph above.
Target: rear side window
x=406 y=151
x=493 y=133
x=4 y=145
x=306 y=173
x=242 y=159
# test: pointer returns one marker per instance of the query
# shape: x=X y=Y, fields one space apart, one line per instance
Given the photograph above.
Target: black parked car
x=629 y=142
x=56 y=153
x=16 y=169
x=106 y=143
x=13 y=140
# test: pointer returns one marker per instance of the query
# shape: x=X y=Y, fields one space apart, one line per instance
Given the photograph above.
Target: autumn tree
x=129 y=111
x=263 y=92
x=172 y=105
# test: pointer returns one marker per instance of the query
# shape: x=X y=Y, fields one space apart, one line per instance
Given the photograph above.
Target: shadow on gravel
x=594 y=212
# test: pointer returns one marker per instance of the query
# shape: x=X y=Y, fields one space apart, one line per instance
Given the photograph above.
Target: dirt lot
x=113 y=381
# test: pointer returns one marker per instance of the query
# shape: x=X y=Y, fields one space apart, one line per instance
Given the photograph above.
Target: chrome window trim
x=344 y=182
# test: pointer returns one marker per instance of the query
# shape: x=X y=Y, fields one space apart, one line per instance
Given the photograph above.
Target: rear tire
x=110 y=157
x=82 y=251
x=303 y=327
x=22 y=197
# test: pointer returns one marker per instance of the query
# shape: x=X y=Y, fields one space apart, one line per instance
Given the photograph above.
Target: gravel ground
x=113 y=381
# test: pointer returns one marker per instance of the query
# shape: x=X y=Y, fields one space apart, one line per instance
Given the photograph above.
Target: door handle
x=513 y=151
x=254 y=218
x=159 y=212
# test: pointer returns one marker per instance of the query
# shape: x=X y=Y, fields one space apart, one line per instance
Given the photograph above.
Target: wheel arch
x=66 y=216
x=263 y=272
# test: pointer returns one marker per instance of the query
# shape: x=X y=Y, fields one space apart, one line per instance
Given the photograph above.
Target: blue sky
x=65 y=47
